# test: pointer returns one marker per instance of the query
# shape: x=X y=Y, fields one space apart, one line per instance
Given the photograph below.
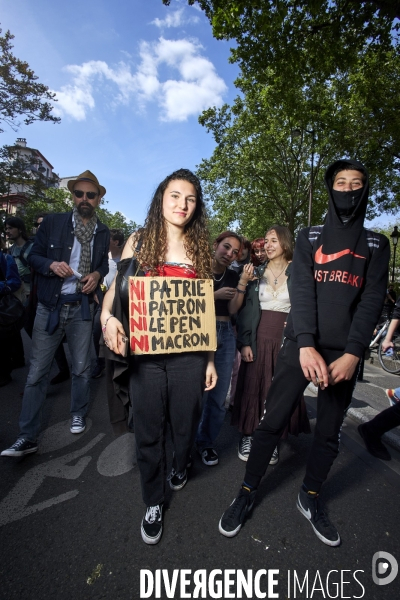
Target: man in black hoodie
x=339 y=279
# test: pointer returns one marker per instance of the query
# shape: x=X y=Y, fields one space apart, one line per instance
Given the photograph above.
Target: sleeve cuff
x=355 y=348
x=305 y=340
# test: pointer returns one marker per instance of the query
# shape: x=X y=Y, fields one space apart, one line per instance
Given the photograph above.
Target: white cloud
x=174 y=19
x=195 y=85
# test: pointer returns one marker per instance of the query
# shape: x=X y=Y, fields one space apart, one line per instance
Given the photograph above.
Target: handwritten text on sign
x=167 y=314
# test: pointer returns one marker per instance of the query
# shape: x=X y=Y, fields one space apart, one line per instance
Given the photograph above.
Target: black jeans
x=285 y=392
x=384 y=421
x=165 y=388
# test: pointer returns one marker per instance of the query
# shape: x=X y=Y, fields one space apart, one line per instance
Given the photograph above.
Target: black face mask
x=346 y=202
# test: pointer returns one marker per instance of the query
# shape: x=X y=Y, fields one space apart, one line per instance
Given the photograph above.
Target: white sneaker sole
x=243 y=457
x=317 y=533
x=230 y=534
x=150 y=540
x=77 y=429
x=19 y=453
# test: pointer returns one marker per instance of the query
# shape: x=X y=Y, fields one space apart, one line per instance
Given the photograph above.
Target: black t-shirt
x=229 y=279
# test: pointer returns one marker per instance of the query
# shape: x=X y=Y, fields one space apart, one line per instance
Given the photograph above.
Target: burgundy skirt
x=255 y=378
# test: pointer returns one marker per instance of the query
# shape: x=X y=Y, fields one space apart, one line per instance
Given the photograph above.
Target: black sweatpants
x=165 y=388
x=285 y=392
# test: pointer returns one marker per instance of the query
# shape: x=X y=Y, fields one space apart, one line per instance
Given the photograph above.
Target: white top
x=270 y=299
x=69 y=285
x=112 y=270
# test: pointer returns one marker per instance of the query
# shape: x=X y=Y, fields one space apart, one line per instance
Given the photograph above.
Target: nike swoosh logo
x=322 y=258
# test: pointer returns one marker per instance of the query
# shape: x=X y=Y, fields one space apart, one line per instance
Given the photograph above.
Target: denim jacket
x=53 y=242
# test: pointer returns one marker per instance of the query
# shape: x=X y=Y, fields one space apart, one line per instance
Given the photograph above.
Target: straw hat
x=87 y=176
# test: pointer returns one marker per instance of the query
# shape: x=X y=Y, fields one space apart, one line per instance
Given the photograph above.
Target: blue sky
x=132 y=77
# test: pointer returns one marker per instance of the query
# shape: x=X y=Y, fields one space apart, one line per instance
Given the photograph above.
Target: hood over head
x=346 y=209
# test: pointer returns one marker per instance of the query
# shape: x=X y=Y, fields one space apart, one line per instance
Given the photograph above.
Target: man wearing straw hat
x=70 y=255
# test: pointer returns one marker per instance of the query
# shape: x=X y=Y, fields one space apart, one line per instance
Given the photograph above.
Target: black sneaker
x=275 y=457
x=152 y=524
x=245 y=447
x=20 y=448
x=78 y=424
x=311 y=508
x=209 y=457
x=373 y=443
x=177 y=480
x=233 y=518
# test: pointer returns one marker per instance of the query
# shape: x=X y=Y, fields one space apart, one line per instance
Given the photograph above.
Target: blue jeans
x=214 y=401
x=44 y=346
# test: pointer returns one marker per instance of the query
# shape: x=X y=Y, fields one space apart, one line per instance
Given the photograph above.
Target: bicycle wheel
x=390 y=362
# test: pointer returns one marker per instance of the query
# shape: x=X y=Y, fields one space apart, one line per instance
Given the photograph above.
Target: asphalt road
x=70 y=515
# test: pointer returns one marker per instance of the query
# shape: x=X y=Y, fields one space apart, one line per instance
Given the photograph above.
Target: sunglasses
x=89 y=195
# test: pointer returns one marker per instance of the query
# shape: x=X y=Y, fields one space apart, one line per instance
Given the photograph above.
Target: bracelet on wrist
x=240 y=291
x=244 y=284
x=105 y=323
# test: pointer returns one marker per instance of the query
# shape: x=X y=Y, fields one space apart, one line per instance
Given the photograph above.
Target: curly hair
x=154 y=235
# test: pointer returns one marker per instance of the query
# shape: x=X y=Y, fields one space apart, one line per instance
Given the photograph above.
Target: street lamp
x=299 y=133
x=395 y=238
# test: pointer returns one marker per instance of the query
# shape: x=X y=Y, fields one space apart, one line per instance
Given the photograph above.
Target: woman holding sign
x=164 y=388
x=229 y=291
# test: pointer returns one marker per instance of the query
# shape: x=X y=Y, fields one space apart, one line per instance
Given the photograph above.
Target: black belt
x=77 y=302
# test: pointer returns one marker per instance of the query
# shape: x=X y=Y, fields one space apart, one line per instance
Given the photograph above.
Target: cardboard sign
x=169 y=314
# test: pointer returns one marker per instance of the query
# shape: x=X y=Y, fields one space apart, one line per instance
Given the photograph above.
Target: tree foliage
x=331 y=67
x=20 y=92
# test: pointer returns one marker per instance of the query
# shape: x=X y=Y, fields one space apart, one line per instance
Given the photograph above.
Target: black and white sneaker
x=78 y=424
x=177 y=480
x=20 y=448
x=245 y=447
x=275 y=457
x=233 y=518
x=310 y=507
x=209 y=457
x=152 y=524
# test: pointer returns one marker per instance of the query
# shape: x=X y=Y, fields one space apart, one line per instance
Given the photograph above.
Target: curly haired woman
x=165 y=387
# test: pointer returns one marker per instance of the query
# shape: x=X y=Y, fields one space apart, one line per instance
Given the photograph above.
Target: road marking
x=118 y=457
x=59 y=436
x=14 y=506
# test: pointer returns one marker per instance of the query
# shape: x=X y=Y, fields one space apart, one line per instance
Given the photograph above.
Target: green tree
x=260 y=170
x=20 y=92
x=307 y=39
x=327 y=66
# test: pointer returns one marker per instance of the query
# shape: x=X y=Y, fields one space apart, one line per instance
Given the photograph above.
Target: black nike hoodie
x=338 y=281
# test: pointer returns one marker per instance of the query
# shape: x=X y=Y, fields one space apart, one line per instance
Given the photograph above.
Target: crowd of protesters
x=282 y=321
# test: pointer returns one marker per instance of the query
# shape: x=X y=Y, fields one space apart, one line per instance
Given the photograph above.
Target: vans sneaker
x=152 y=524
x=311 y=508
x=233 y=518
